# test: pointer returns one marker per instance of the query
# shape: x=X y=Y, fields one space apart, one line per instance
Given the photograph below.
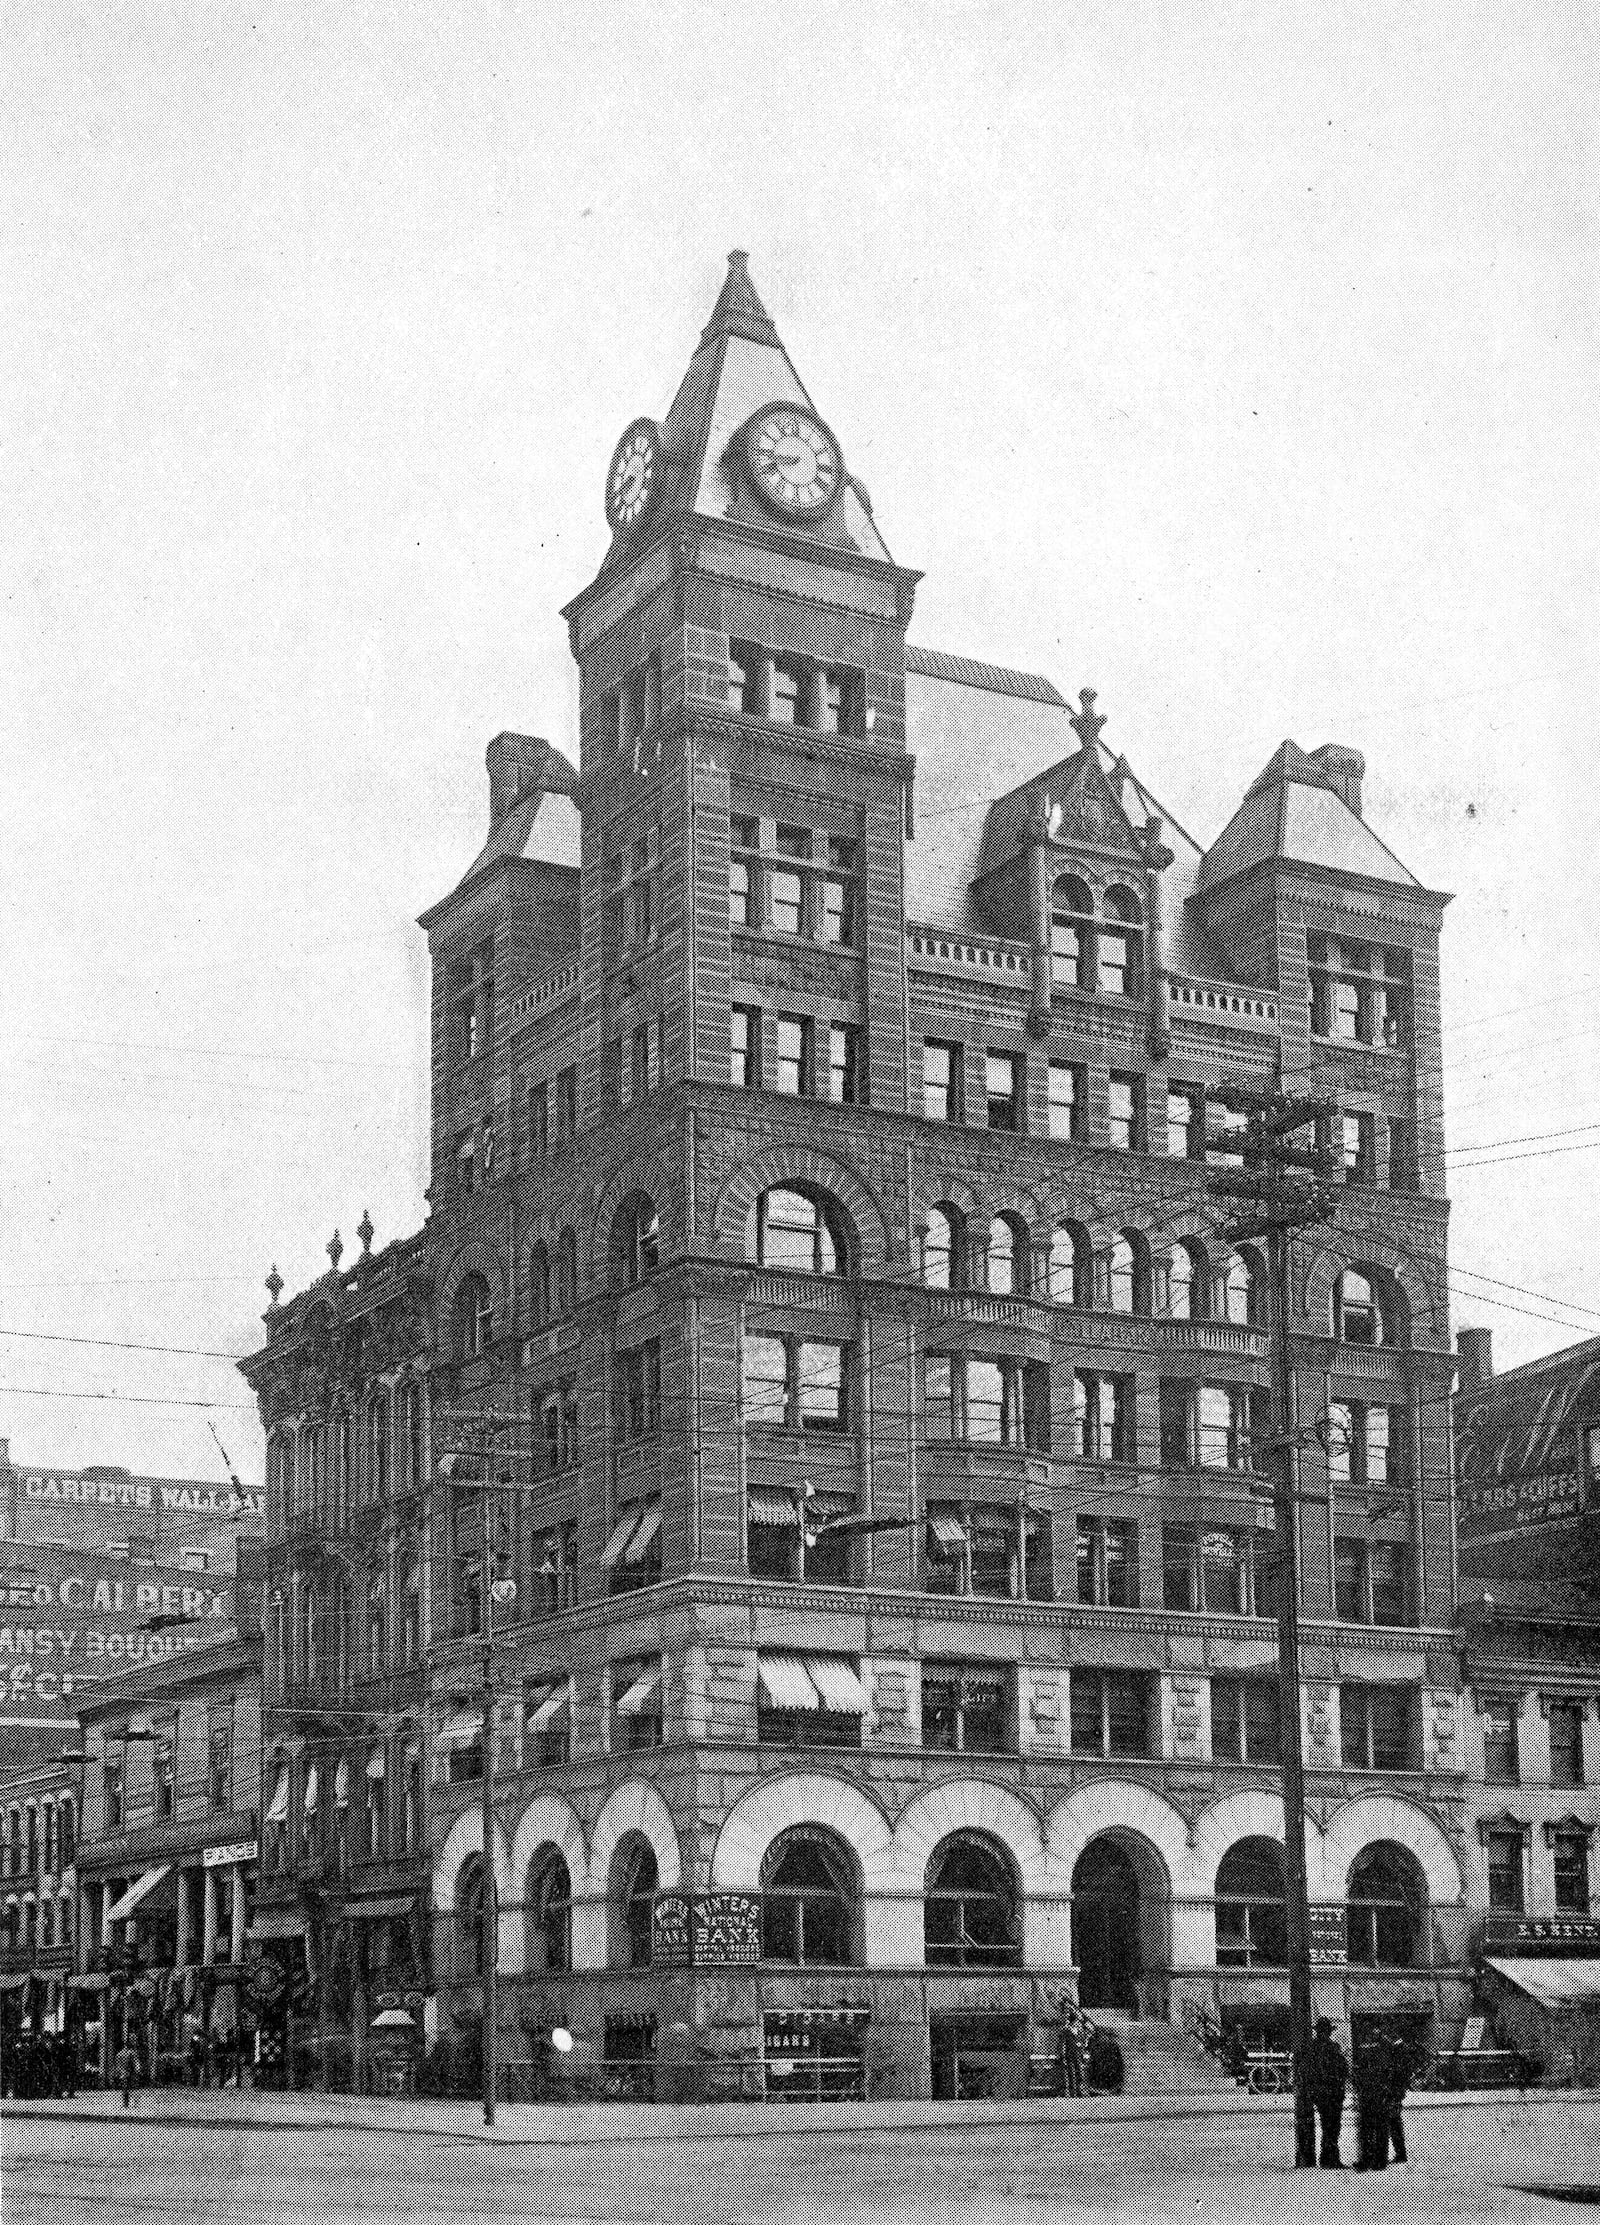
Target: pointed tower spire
x=739 y=307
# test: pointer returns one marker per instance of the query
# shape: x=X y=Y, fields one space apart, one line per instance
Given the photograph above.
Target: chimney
x=516 y=765
x=1476 y=1358
x=1342 y=770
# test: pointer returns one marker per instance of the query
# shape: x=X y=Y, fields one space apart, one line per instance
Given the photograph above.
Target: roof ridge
x=971 y=672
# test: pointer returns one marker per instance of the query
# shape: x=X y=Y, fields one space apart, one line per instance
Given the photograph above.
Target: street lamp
x=483 y=1430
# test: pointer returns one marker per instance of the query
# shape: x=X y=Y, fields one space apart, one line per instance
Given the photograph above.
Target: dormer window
x=1121 y=945
x=1071 y=934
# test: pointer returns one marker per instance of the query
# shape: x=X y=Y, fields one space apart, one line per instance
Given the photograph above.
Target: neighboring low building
x=1531 y=1659
x=38 y=1847
x=167 y=1857
x=1528 y=1464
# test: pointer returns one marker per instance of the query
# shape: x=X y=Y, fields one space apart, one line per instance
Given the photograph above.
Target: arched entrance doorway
x=1106 y=1930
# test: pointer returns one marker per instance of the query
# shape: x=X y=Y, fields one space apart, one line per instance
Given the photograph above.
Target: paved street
x=301 y=2159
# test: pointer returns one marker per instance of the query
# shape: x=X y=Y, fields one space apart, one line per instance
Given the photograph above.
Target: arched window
x=474 y=1318
x=969 y=1908
x=564 y=1296
x=634 y=1881
x=1129 y=1273
x=808 y=1899
x=791 y=1229
x=377 y=1622
x=1357 y=1309
x=1071 y=1265
x=1188 y=1283
x=1239 y=1289
x=1071 y=934
x=1385 y=1897
x=943 y=1249
x=1251 y=1927
x=549 y=1913
x=1121 y=945
x=539 y=1305
x=636 y=1243
x=469 y=1918
x=1008 y=1255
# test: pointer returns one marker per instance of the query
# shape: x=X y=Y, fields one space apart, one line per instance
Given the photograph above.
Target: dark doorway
x=977 y=2058
x=1105 y=1927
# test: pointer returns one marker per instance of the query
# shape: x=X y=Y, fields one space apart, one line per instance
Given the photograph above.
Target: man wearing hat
x=1327 y=2074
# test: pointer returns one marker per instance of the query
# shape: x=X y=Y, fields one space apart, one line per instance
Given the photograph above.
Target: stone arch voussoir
x=797 y=1797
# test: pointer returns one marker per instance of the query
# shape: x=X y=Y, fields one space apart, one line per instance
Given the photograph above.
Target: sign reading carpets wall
x=705 y=1928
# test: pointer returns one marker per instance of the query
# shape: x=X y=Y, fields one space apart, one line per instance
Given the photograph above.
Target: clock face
x=794 y=461
x=635 y=469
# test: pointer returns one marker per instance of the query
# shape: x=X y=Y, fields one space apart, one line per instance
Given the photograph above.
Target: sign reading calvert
x=68 y=1618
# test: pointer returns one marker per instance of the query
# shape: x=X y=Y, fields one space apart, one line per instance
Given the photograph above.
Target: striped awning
x=308 y=1799
x=616 y=1543
x=278 y=1805
x=341 y=1785
x=544 y=1711
x=376 y=1763
x=639 y=1544
x=771 y=1509
x=461 y=1731
x=948 y=1532
x=840 y=1690
x=640 y=1693
x=138 y=1891
x=786 y=1683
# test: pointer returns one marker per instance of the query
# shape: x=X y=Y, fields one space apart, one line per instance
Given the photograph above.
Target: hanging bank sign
x=69 y=1619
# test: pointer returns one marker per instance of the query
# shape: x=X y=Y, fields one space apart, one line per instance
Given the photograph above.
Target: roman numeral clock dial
x=793 y=461
x=635 y=471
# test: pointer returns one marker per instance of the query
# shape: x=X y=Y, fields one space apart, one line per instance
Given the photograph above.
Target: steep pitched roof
x=984 y=736
x=1293 y=812
x=738 y=367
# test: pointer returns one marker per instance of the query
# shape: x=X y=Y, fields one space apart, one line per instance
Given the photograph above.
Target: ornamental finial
x=364 y=1231
x=336 y=1249
x=1086 y=721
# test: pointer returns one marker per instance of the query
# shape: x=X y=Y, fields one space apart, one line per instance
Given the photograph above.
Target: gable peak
x=739 y=308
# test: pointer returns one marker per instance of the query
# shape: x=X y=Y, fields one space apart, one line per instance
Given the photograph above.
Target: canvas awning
x=640 y=1693
x=308 y=1799
x=393 y=2020
x=278 y=1806
x=385 y=1904
x=639 y=1543
x=140 y=1890
x=341 y=1785
x=376 y=1763
x=1552 y=1980
x=461 y=1731
x=786 y=1683
x=616 y=1543
x=840 y=1690
x=771 y=1509
x=947 y=1531
x=545 y=1711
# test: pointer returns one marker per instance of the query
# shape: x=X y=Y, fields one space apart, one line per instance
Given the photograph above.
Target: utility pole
x=1281 y=1186
x=481 y=1432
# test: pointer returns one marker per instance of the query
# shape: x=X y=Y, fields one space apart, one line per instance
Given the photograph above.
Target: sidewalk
x=582 y=2124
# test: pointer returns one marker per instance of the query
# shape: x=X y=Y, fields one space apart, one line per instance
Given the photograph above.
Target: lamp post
x=482 y=1432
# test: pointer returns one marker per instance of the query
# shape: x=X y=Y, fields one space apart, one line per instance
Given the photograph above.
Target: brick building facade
x=818 y=1196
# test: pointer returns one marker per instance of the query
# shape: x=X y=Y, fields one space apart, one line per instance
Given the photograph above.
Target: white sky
x=1238 y=362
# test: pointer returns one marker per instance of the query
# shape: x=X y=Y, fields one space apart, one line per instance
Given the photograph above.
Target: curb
x=644 y=2122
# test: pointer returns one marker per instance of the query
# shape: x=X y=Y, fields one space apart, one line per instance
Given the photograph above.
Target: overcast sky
x=1238 y=362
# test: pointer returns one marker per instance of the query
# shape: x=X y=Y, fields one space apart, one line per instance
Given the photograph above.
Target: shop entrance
x=814 y=2055
x=978 y=2058
x=1105 y=1927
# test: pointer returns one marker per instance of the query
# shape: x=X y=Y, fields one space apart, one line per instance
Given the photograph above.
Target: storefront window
x=1251 y=1928
x=970 y=1906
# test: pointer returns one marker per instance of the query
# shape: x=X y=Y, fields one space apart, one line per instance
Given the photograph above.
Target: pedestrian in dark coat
x=127 y=2068
x=1372 y=2105
x=1327 y=2075
x=1398 y=2083
x=1071 y=2059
